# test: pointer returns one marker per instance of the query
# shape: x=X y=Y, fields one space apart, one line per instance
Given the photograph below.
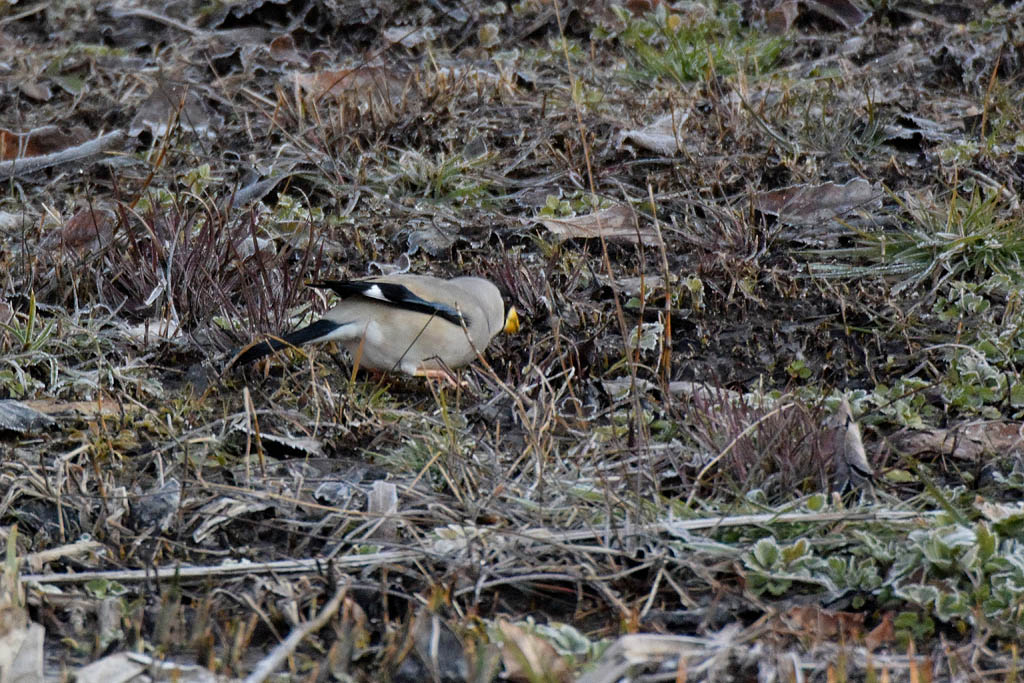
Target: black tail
x=319 y=329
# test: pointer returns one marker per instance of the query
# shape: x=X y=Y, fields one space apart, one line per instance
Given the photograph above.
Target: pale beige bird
x=417 y=324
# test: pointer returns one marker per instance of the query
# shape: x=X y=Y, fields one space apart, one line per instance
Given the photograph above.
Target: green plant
x=26 y=354
x=32 y=335
x=964 y=573
x=694 y=47
x=969 y=238
x=798 y=369
x=774 y=568
x=442 y=177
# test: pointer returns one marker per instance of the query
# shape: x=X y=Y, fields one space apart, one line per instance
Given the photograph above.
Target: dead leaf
x=155 y=508
x=21 y=650
x=964 y=441
x=806 y=205
x=223 y=511
x=429 y=236
x=662 y=136
x=409 y=36
x=14 y=146
x=780 y=18
x=115 y=667
x=843 y=12
x=133 y=667
x=91 y=228
x=817 y=624
x=636 y=286
x=382 y=504
x=169 y=102
x=34 y=90
x=37 y=560
x=76 y=153
x=883 y=634
x=436 y=652
x=908 y=131
x=352 y=630
x=528 y=657
x=363 y=82
x=21 y=640
x=89 y=410
x=641 y=7
x=707 y=395
x=16 y=416
x=39 y=141
x=302 y=445
x=657 y=652
x=999 y=512
x=614 y=223
x=282 y=49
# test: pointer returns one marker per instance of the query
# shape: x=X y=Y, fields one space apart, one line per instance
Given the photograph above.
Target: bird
x=420 y=325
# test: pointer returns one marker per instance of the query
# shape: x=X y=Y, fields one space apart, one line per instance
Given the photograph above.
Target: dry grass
x=653 y=454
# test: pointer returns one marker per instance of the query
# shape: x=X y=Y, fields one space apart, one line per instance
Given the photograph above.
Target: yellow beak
x=511 y=321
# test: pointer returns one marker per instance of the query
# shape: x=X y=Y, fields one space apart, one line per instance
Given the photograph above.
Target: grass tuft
x=699 y=45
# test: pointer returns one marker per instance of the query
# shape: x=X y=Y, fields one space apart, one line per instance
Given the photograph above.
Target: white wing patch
x=374 y=292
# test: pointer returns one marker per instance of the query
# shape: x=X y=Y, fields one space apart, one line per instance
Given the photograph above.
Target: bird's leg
x=440 y=374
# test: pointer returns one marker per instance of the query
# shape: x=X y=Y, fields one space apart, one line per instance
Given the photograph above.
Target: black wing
x=393 y=295
x=321 y=328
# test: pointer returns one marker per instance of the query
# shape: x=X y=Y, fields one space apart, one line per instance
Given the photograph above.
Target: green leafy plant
x=964 y=573
x=798 y=370
x=774 y=568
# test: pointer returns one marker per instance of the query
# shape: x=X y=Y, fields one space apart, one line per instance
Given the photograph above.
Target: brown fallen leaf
x=780 y=18
x=39 y=141
x=812 y=204
x=641 y=7
x=91 y=148
x=89 y=229
x=15 y=146
x=170 y=101
x=282 y=49
x=530 y=658
x=614 y=223
x=34 y=90
x=817 y=624
x=363 y=82
x=883 y=634
x=89 y=410
x=968 y=441
x=663 y=136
